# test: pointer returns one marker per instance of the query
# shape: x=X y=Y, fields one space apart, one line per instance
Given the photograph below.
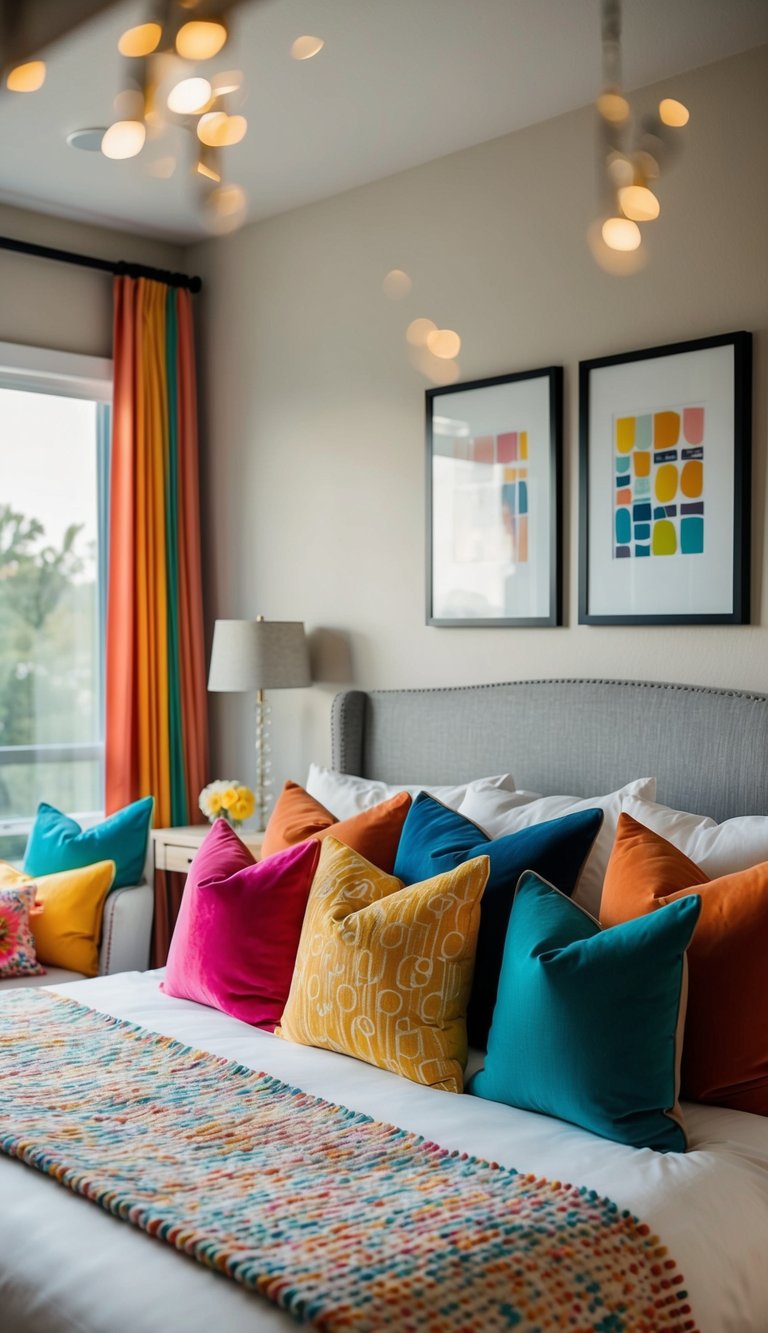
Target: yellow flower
x=246 y=804
x=229 y=798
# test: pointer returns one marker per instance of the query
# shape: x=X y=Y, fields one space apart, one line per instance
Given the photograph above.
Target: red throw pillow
x=725 y=1051
x=235 y=941
x=374 y=833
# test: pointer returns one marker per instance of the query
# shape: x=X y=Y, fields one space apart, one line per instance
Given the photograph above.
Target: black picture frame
x=535 y=394
x=720 y=390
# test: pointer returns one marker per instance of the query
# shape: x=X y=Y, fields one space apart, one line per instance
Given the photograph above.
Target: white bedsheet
x=65 y=1265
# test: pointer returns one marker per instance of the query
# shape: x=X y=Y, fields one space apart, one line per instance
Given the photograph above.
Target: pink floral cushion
x=237 y=933
x=17 y=945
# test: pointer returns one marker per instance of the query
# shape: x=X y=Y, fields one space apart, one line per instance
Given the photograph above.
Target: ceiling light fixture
x=26 y=78
x=621 y=234
x=673 y=113
x=628 y=162
x=205 y=168
x=201 y=39
x=141 y=40
x=190 y=96
x=304 y=48
x=124 y=139
x=153 y=53
x=218 y=130
x=612 y=106
x=444 y=343
x=419 y=330
x=210 y=126
x=639 y=203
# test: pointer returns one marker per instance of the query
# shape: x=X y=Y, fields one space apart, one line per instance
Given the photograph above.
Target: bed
x=66 y=1265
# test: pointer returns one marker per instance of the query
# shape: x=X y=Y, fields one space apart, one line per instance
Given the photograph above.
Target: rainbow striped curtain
x=156 y=728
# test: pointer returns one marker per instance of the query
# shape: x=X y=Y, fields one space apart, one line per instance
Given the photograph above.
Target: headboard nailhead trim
x=569 y=680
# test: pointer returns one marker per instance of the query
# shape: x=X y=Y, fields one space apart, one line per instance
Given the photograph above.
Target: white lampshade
x=258 y=655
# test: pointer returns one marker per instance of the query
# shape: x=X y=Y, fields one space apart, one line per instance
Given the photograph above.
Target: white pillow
x=503 y=812
x=345 y=795
x=719 y=849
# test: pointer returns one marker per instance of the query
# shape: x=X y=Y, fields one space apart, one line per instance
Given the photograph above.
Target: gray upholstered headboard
x=708 y=748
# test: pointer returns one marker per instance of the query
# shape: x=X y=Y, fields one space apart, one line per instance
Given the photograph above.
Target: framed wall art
x=665 y=484
x=493 y=501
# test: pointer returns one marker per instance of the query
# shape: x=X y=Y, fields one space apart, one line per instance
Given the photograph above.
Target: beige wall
x=59 y=306
x=315 y=452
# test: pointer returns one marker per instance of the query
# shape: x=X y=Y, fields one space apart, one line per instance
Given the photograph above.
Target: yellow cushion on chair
x=383 y=972
x=68 y=930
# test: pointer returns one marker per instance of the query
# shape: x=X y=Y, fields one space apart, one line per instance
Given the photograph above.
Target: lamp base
x=263 y=762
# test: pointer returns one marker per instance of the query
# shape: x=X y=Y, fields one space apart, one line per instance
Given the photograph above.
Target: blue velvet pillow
x=435 y=839
x=589 y=1022
x=59 y=843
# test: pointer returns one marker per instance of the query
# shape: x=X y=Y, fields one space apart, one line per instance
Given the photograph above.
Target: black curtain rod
x=119 y=267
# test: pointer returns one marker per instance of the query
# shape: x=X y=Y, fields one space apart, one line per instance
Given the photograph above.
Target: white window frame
x=66 y=375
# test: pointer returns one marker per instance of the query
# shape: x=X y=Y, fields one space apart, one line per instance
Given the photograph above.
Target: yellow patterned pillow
x=384 y=972
x=68 y=930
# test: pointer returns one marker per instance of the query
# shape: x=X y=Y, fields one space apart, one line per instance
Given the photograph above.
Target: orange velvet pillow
x=725 y=1052
x=374 y=833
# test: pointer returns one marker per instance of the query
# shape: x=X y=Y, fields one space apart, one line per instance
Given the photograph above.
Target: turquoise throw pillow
x=436 y=839
x=59 y=843
x=588 y=1023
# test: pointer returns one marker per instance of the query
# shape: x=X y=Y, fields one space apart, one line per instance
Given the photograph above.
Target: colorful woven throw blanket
x=344 y=1222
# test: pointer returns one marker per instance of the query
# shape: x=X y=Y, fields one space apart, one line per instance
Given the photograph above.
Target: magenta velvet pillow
x=235 y=940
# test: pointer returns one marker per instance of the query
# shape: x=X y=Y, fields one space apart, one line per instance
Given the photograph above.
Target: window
x=54 y=462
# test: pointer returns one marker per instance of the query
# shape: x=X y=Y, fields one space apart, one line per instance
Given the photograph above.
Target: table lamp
x=259 y=655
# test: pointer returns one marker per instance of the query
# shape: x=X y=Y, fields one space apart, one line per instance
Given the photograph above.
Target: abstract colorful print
x=659 y=483
x=343 y=1222
x=503 y=475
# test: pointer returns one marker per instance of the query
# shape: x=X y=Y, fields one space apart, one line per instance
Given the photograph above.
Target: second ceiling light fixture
x=155 y=83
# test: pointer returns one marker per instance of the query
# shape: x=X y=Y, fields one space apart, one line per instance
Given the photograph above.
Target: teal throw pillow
x=59 y=843
x=588 y=1023
x=436 y=839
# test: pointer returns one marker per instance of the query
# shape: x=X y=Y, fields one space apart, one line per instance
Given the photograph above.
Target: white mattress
x=65 y=1265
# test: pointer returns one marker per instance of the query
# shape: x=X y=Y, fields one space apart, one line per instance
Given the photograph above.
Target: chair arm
x=126 y=930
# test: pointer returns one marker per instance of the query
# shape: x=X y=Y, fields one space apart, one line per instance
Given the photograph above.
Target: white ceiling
x=400 y=82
